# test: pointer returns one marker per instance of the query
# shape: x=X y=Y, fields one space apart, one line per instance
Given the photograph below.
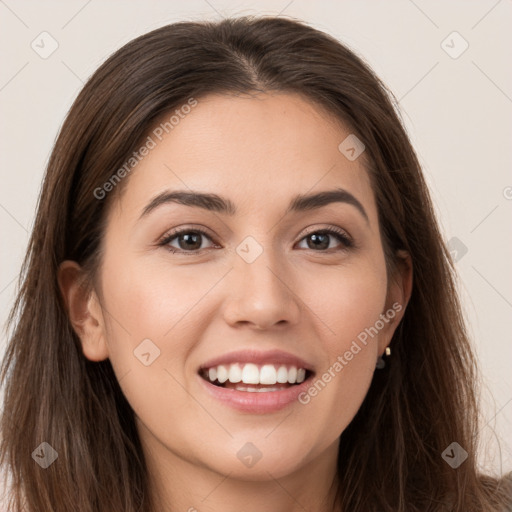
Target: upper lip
x=258 y=357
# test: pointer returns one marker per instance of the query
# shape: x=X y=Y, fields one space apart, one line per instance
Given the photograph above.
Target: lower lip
x=256 y=402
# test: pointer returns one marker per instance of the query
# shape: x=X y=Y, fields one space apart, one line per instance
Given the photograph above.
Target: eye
x=188 y=240
x=320 y=239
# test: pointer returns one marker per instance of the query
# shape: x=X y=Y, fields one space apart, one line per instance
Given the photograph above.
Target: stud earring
x=380 y=360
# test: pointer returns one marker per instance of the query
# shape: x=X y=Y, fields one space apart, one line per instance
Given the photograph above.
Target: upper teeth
x=250 y=373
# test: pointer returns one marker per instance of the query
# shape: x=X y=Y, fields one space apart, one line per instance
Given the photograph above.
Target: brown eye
x=320 y=240
x=187 y=240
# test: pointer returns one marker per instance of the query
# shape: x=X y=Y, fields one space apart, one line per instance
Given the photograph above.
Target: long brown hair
x=390 y=455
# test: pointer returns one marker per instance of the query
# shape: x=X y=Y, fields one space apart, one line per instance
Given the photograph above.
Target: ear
x=84 y=311
x=398 y=295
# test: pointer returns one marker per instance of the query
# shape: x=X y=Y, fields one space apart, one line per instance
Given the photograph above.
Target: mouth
x=255 y=378
x=256 y=382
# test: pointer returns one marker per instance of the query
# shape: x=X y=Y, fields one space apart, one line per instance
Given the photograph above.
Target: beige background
x=457 y=112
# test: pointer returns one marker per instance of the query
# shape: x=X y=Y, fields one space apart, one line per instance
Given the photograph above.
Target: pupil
x=187 y=237
x=317 y=238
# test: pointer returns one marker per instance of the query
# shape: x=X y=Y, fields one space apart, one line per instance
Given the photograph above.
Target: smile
x=256 y=382
x=254 y=378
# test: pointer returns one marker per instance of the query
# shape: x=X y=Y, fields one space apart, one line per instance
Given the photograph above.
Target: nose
x=261 y=294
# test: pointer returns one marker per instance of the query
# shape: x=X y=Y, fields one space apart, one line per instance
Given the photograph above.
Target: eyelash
x=339 y=234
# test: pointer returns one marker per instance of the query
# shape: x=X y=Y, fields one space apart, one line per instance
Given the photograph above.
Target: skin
x=313 y=302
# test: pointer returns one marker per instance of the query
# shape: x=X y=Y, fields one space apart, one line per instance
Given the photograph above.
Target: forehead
x=256 y=150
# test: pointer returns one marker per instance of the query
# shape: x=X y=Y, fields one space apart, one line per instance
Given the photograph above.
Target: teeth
x=250 y=373
x=268 y=374
x=222 y=373
x=235 y=373
x=282 y=375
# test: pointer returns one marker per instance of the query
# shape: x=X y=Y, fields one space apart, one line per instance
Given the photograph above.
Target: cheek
x=346 y=301
x=155 y=319
x=348 y=306
x=149 y=299
x=151 y=331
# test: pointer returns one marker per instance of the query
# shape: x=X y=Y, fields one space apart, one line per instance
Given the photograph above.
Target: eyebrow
x=219 y=204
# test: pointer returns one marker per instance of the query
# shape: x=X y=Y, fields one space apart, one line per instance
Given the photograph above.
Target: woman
x=236 y=295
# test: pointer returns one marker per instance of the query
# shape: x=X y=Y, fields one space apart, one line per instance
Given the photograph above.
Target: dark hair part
x=425 y=398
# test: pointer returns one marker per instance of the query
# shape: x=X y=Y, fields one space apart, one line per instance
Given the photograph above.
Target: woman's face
x=266 y=291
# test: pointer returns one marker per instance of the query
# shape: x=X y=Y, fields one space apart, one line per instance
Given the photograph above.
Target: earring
x=380 y=360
